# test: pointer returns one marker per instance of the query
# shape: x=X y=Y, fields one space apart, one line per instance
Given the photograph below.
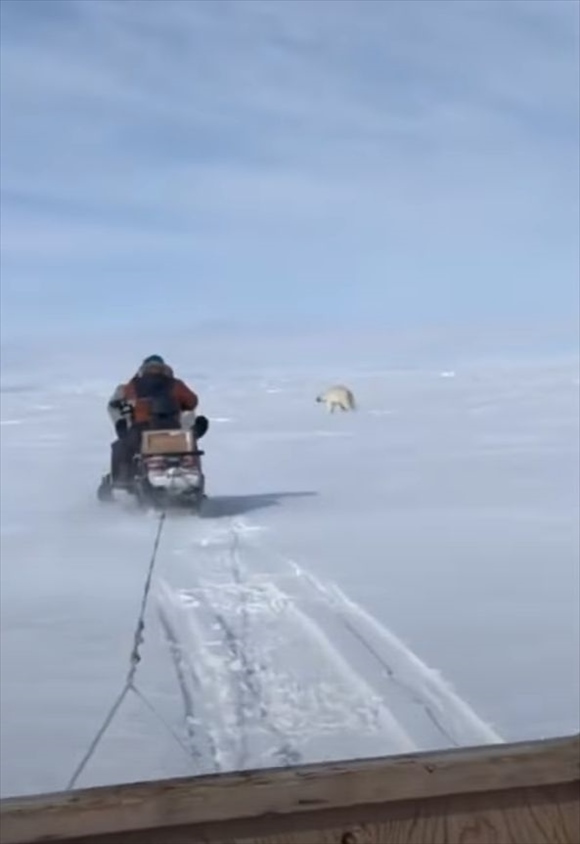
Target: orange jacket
x=187 y=399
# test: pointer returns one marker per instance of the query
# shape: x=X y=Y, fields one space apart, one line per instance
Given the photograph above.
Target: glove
x=121 y=427
x=200 y=426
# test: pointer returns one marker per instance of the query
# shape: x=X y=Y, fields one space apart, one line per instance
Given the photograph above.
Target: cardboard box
x=167 y=442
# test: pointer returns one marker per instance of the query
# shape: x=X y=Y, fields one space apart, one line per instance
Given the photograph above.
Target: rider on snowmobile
x=153 y=398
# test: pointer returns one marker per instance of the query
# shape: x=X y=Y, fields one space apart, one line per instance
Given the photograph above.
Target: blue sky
x=406 y=162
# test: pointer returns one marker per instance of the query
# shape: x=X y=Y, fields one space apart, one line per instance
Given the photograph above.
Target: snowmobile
x=166 y=471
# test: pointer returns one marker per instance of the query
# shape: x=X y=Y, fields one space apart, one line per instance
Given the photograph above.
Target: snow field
x=399 y=578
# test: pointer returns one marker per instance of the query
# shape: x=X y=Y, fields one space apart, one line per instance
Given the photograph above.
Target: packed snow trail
x=198 y=734
x=284 y=668
x=451 y=716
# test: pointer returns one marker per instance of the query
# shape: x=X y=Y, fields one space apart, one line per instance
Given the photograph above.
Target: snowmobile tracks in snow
x=277 y=667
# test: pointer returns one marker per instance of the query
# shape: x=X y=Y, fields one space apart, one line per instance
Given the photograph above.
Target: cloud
x=290 y=157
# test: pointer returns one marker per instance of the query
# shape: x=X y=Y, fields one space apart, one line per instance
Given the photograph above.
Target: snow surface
x=403 y=577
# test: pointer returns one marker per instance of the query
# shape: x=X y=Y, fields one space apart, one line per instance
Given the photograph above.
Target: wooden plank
x=298 y=793
x=548 y=815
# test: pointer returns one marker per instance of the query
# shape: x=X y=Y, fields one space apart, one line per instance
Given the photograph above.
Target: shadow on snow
x=221 y=506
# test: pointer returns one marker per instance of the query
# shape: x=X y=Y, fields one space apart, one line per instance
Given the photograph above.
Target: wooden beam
x=301 y=800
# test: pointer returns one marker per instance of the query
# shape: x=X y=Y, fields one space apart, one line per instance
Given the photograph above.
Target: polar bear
x=337 y=397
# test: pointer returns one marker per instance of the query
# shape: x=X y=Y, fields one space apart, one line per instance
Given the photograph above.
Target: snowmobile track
x=291 y=669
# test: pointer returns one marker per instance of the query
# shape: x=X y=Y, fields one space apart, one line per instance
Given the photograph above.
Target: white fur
x=114 y=413
x=187 y=419
x=337 y=397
